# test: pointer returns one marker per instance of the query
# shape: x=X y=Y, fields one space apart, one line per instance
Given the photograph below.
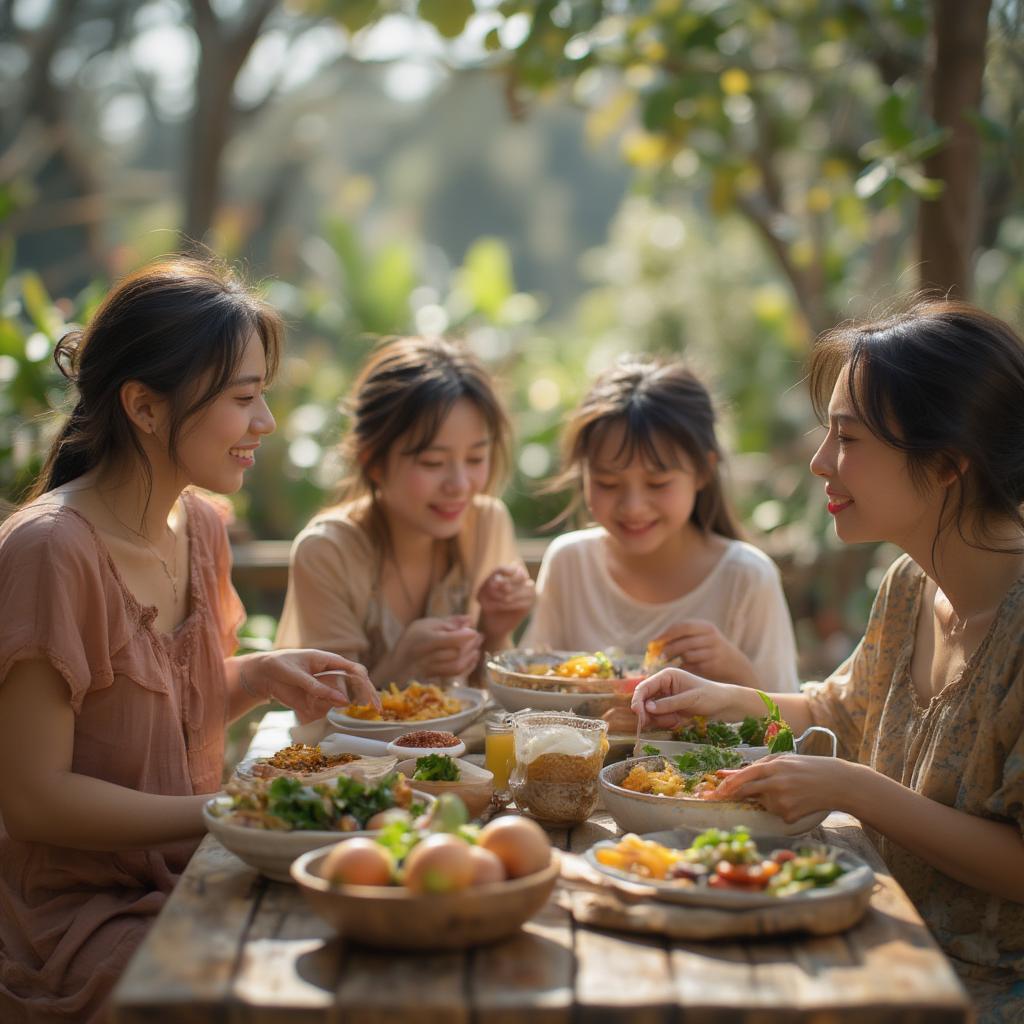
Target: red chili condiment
x=427 y=738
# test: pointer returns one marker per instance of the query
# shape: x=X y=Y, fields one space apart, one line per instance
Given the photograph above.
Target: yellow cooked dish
x=418 y=702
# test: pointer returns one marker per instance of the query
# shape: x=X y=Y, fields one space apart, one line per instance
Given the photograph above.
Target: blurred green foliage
x=778 y=148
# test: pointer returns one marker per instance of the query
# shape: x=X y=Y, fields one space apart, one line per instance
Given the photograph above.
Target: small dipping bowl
x=403 y=751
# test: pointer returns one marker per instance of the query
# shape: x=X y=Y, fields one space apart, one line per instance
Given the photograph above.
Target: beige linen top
x=150 y=711
x=334 y=601
x=580 y=606
x=965 y=750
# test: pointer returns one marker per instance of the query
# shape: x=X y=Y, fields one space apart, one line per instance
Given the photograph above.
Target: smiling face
x=218 y=444
x=868 y=486
x=643 y=506
x=429 y=492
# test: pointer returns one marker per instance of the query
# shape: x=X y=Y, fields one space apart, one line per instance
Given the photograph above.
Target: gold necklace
x=172 y=578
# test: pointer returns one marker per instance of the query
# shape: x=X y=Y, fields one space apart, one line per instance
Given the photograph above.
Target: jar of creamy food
x=558 y=759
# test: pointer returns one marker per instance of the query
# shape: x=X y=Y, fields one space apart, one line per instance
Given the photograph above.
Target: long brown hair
x=942 y=382
x=403 y=393
x=658 y=405
x=167 y=326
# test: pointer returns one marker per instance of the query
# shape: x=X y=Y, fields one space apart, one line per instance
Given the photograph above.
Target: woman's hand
x=438 y=648
x=700 y=647
x=505 y=598
x=791 y=785
x=672 y=696
x=290 y=677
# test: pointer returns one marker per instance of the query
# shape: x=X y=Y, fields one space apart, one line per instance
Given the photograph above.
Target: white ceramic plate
x=858 y=879
x=472 y=704
x=271 y=852
x=645 y=812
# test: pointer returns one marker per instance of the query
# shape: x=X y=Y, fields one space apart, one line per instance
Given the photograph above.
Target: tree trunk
x=221 y=56
x=948 y=226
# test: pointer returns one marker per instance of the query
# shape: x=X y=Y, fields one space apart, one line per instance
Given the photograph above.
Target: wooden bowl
x=475 y=788
x=392 y=917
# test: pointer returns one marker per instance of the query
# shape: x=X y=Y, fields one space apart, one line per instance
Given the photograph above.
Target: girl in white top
x=665 y=562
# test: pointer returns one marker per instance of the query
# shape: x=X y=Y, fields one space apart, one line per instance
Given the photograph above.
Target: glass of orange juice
x=499 y=751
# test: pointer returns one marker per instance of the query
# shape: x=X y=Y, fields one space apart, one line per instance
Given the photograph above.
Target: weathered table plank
x=232 y=947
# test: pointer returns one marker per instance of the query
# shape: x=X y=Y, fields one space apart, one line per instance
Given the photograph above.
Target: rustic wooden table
x=230 y=946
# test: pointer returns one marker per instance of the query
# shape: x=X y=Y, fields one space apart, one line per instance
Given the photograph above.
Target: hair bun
x=65 y=354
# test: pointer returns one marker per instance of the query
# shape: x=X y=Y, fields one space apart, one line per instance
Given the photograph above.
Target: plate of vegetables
x=730 y=869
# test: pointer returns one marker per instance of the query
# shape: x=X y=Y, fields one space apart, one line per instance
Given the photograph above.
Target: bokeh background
x=554 y=182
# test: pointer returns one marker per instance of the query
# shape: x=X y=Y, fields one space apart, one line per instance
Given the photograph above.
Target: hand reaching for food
x=672 y=696
x=439 y=648
x=505 y=598
x=700 y=647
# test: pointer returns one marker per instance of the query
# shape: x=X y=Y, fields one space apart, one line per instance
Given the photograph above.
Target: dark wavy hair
x=942 y=382
x=660 y=405
x=169 y=326
x=403 y=393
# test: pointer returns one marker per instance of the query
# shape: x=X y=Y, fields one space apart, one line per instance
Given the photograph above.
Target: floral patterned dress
x=964 y=749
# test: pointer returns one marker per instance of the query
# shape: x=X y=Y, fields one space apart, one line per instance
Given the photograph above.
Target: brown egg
x=358 y=862
x=384 y=818
x=487 y=867
x=442 y=863
x=519 y=843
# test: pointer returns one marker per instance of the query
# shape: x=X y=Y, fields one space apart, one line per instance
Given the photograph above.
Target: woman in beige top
x=416 y=574
x=119 y=622
x=925 y=449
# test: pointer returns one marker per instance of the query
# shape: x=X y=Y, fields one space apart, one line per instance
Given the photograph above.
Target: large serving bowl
x=472 y=704
x=270 y=851
x=588 y=705
x=475 y=787
x=393 y=917
x=510 y=668
x=645 y=812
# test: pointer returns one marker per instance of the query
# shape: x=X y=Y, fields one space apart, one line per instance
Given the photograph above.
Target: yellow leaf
x=734 y=82
x=606 y=119
x=801 y=252
x=819 y=199
x=655 y=51
x=834 y=168
x=642 y=149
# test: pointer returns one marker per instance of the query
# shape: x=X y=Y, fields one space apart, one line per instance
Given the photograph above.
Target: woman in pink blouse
x=119 y=621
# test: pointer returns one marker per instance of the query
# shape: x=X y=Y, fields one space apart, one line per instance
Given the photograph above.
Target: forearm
x=984 y=854
x=495 y=640
x=84 y=813
x=243 y=698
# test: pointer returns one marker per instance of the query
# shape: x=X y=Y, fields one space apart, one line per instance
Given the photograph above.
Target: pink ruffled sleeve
x=55 y=602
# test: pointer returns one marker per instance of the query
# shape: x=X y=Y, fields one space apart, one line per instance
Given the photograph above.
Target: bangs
x=423 y=425
x=638 y=437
